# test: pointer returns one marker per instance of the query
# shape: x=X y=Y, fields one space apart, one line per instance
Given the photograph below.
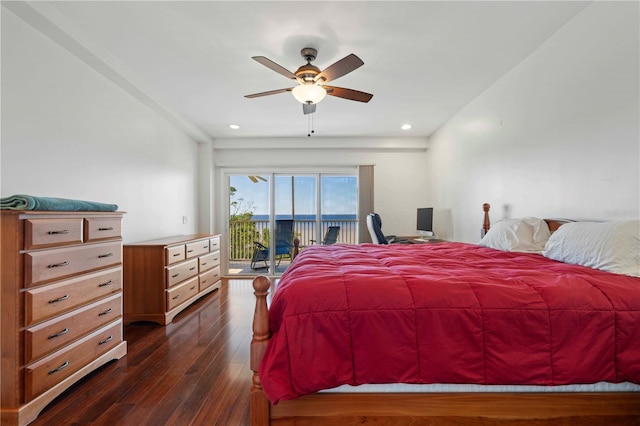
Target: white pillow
x=526 y=235
x=541 y=231
x=610 y=246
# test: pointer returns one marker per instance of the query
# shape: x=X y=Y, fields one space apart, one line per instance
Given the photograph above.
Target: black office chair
x=374 y=224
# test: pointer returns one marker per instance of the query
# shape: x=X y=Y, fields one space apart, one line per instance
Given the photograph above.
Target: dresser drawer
x=43 y=374
x=175 y=254
x=181 y=272
x=209 y=278
x=54 y=334
x=40 y=233
x=182 y=293
x=100 y=228
x=208 y=261
x=48 y=265
x=214 y=244
x=197 y=248
x=46 y=302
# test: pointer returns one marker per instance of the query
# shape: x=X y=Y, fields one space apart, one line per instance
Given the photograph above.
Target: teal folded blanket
x=28 y=202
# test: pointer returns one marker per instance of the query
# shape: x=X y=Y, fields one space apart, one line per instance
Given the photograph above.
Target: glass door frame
x=271 y=173
x=227 y=175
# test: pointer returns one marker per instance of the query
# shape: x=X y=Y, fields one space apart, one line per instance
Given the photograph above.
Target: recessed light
x=406 y=126
x=234 y=126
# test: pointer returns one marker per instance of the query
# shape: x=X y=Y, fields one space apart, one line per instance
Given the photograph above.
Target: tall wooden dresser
x=163 y=277
x=61 y=304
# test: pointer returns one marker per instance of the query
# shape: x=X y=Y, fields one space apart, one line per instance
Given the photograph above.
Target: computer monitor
x=424 y=223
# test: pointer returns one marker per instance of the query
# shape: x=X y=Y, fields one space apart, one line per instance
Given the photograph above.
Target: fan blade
x=270 y=92
x=275 y=67
x=352 y=95
x=308 y=108
x=340 y=68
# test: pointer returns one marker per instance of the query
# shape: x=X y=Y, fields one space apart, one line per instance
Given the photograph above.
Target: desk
x=413 y=239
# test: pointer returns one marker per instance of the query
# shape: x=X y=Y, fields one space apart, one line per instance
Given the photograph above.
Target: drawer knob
x=53 y=336
x=175 y=297
x=204 y=263
x=105 y=255
x=63 y=366
x=64 y=231
x=176 y=255
x=174 y=276
x=57 y=265
x=192 y=287
x=105 y=284
x=59 y=299
x=105 y=312
x=110 y=228
x=107 y=340
x=189 y=251
x=191 y=269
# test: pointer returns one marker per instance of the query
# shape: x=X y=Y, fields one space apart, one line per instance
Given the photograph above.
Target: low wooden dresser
x=61 y=304
x=163 y=277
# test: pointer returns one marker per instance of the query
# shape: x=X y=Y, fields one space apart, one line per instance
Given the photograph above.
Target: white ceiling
x=423 y=60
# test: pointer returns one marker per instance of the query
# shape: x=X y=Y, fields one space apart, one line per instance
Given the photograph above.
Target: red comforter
x=447 y=313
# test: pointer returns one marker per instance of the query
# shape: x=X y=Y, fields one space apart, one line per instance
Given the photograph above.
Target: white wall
x=400 y=176
x=558 y=136
x=69 y=132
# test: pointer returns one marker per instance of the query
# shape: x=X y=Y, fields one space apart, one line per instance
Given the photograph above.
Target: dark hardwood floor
x=194 y=371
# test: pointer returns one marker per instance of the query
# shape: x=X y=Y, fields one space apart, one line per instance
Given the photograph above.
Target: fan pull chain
x=311 y=131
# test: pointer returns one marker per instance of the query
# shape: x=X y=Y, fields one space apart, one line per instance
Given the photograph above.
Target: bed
x=491 y=348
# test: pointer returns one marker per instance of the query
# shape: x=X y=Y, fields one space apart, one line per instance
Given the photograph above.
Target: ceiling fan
x=311 y=87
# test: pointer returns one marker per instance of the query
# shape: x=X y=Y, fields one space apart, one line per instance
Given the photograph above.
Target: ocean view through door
x=307 y=207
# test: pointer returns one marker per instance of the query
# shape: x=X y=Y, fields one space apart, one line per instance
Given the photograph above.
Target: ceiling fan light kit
x=309 y=93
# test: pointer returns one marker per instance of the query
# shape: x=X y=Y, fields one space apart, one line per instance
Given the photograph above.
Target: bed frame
x=576 y=408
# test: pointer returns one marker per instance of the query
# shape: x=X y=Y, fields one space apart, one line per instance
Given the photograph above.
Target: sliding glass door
x=296 y=199
x=269 y=211
x=338 y=208
x=249 y=223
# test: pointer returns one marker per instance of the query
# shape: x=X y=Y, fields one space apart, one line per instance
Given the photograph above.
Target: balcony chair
x=284 y=244
x=330 y=237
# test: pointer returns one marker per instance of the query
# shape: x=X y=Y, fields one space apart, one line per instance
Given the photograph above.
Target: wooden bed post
x=486 y=224
x=296 y=248
x=259 y=404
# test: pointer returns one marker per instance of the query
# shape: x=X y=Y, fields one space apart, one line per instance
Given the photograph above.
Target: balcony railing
x=242 y=234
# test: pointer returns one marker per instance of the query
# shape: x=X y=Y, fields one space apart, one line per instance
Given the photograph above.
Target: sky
x=340 y=194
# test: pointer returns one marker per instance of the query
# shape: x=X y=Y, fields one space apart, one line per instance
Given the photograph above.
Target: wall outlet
x=184 y=220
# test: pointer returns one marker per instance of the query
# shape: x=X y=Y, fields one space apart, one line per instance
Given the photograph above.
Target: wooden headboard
x=553 y=224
